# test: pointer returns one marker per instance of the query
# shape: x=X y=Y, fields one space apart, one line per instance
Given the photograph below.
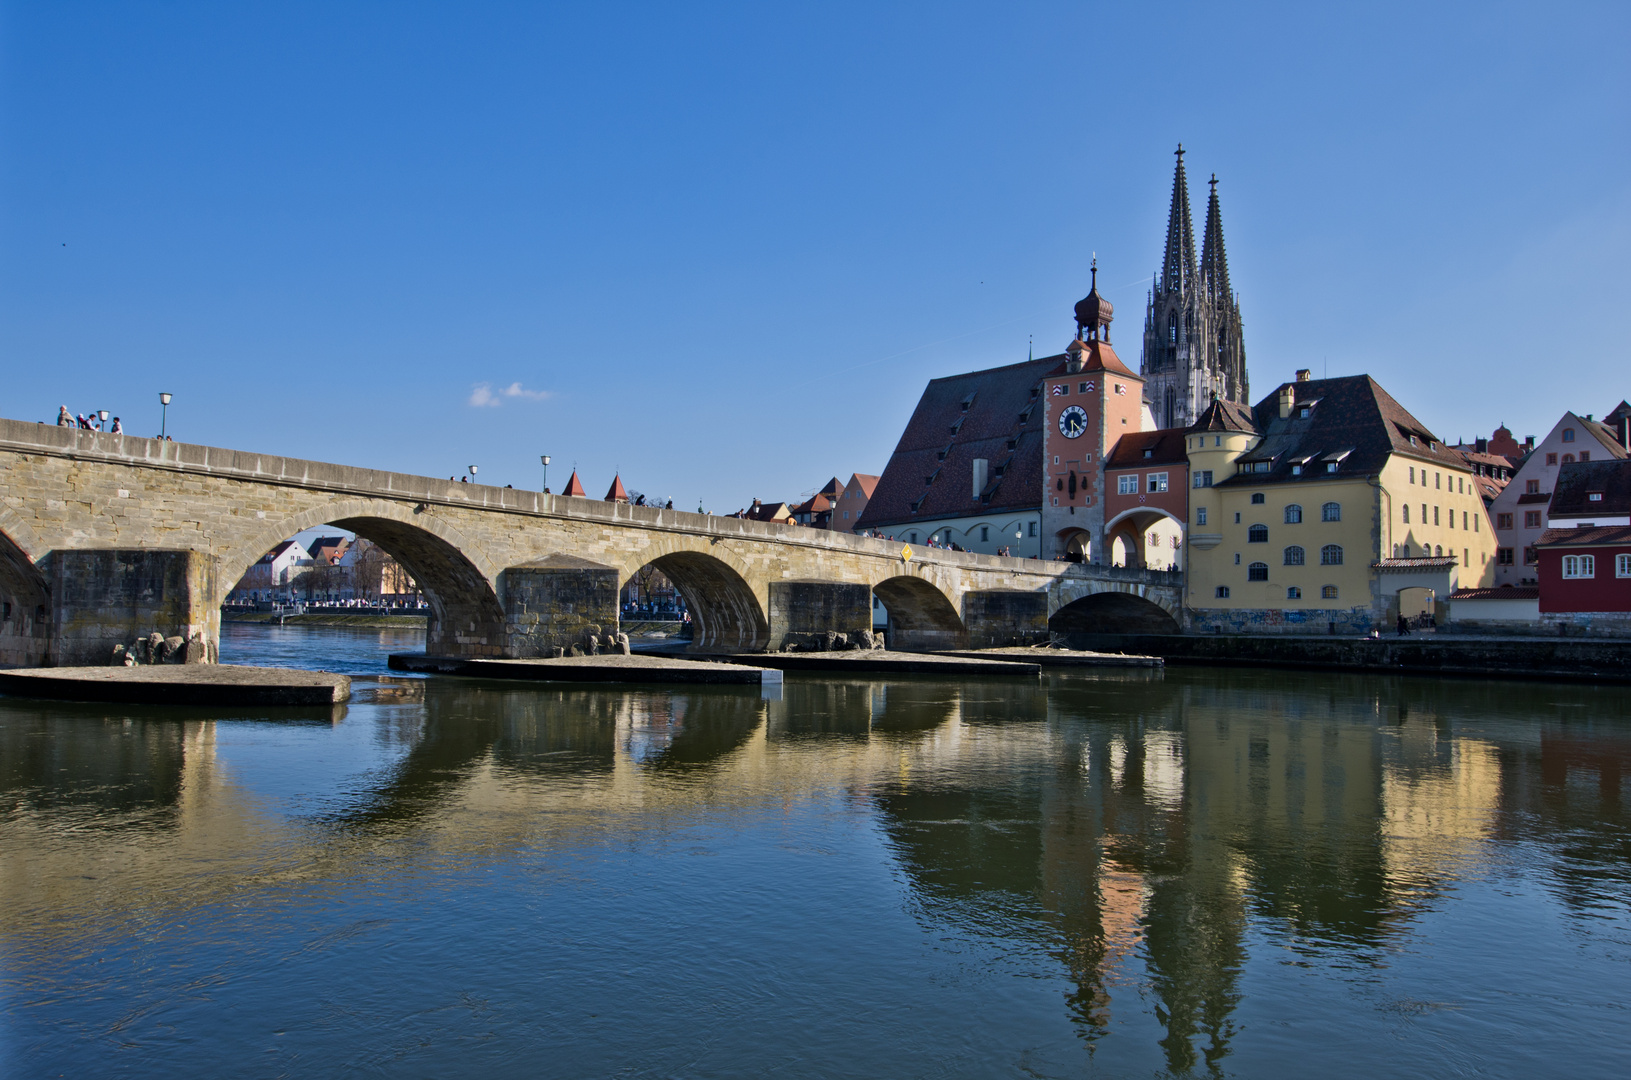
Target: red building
x=1585 y=569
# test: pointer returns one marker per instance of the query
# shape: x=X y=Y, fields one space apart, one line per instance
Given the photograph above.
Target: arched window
x=1440 y=552
x=1329 y=592
x=1331 y=512
x=1294 y=556
x=1257 y=498
x=1172 y=328
x=1331 y=555
x=1294 y=514
x=1294 y=593
x=1406 y=513
x=1257 y=571
x=1257 y=534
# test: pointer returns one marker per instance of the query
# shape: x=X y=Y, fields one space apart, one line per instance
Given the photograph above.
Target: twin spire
x=1178 y=268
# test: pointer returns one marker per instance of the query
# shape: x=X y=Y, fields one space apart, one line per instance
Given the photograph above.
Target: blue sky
x=722 y=247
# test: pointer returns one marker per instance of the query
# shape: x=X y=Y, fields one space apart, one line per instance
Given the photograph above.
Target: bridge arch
x=25 y=606
x=466 y=616
x=921 y=615
x=1113 y=611
x=727 y=612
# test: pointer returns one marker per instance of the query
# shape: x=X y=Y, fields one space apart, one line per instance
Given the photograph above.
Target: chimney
x=1625 y=432
x=1481 y=445
x=1303 y=374
x=981 y=467
x=1528 y=442
x=1287 y=396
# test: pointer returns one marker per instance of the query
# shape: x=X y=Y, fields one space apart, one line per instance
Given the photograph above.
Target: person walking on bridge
x=64 y=418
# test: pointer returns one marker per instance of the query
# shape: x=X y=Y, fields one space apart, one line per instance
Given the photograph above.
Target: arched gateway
x=104 y=538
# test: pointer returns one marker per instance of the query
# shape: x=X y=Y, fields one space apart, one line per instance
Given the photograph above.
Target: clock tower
x=1089 y=402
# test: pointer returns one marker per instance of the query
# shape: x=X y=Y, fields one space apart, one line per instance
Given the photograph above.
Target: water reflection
x=1176 y=849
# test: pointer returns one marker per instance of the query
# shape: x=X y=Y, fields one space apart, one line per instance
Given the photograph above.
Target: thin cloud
x=482 y=395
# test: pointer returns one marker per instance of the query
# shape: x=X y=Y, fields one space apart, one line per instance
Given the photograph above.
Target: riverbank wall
x=377 y=622
x=1570 y=659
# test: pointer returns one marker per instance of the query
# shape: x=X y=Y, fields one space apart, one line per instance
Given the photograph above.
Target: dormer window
x=967 y=402
x=1304 y=412
x=1594 y=496
x=1149 y=453
x=1412 y=440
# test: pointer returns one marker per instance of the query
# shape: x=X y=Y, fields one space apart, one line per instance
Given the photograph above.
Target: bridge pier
x=798 y=608
x=996 y=618
x=106 y=597
x=556 y=601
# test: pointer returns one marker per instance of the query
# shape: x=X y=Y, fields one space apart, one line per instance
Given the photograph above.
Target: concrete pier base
x=172 y=684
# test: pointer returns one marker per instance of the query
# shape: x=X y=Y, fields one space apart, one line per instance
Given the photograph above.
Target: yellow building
x=1327 y=508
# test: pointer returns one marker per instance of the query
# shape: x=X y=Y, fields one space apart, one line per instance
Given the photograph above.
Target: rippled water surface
x=1198 y=872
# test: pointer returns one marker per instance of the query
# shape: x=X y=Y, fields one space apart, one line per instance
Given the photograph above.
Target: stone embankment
x=179 y=684
x=1571 y=659
x=364 y=622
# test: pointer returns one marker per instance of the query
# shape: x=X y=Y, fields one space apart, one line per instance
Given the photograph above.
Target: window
x=1531 y=519
x=1503 y=521
x=1257 y=498
x=1257 y=534
x=1331 y=466
x=1438 y=480
x=1127 y=485
x=1551 y=459
x=1294 y=556
x=1331 y=512
x=1579 y=566
x=1085 y=388
x=1222 y=592
x=1594 y=496
x=1567 y=458
x=1302 y=413
x=1294 y=514
x=1585 y=455
x=1531 y=487
x=1435 y=516
x=1294 y=593
x=1149 y=453
x=1328 y=592
x=1412 y=474
x=1257 y=571
x=1424 y=513
x=1157 y=482
x=1622 y=566
x=1476 y=517
x=1503 y=556
x=1406 y=508
x=1261 y=466
x=1033 y=528
x=1200 y=515
x=1331 y=555
x=1530 y=556
x=1440 y=552
x=1237 y=558
x=1203 y=479
x=1568 y=434
x=911 y=537
x=1237 y=517
x=985 y=533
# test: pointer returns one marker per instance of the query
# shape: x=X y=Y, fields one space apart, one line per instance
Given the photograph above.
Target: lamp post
x=543 y=459
x=472 y=474
x=102 y=415
x=164 y=420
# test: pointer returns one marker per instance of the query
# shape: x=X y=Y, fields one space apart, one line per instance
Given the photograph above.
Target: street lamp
x=543 y=459
x=102 y=415
x=164 y=420
x=472 y=472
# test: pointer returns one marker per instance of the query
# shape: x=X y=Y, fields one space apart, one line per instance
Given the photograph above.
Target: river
x=1201 y=871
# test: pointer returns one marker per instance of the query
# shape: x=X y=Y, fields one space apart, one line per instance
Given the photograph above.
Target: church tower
x=1192 y=341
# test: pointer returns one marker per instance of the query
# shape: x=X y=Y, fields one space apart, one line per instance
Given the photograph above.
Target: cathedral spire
x=1178 y=264
x=1214 y=263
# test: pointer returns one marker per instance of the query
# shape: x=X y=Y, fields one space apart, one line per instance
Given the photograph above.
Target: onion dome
x=1093 y=311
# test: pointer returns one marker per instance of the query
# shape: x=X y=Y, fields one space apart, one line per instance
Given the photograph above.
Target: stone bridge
x=104 y=538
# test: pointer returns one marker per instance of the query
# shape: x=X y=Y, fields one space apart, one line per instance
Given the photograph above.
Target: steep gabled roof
x=960 y=418
x=1352 y=421
x=1578 y=480
x=299 y=552
x=868 y=484
x=574 y=487
x=617 y=492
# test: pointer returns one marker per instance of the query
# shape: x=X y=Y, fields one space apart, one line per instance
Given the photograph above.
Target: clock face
x=1073 y=422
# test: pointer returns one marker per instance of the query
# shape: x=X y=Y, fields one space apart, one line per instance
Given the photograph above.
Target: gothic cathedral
x=1192 y=344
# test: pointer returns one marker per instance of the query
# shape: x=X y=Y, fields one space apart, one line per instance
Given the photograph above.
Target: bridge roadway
x=105 y=538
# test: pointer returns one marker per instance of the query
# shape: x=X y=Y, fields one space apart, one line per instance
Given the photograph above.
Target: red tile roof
x=617 y=492
x=574 y=487
x=1504 y=592
x=1167 y=446
x=1593 y=536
